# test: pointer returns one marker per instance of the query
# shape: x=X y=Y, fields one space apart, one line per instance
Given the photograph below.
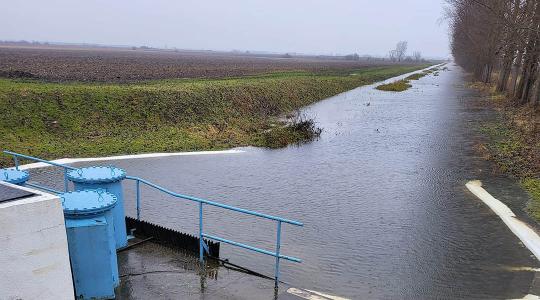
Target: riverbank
x=53 y=120
x=513 y=142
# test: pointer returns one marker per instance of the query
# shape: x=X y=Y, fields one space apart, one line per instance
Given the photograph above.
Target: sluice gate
x=145 y=230
x=108 y=180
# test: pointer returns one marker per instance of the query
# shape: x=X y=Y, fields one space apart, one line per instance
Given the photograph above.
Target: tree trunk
x=536 y=98
x=506 y=68
x=531 y=57
x=515 y=73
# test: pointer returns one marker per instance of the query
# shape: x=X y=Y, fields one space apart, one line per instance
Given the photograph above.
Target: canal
x=381 y=193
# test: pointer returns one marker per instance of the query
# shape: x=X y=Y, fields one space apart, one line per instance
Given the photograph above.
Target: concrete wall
x=34 y=258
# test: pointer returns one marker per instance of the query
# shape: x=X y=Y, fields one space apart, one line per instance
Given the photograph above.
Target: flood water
x=381 y=193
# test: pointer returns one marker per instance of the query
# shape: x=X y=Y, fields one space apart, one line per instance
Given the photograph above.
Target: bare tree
x=392 y=55
x=417 y=55
x=499 y=40
x=401 y=50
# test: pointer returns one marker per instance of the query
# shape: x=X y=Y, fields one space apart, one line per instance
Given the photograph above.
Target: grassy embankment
x=53 y=120
x=402 y=85
x=514 y=144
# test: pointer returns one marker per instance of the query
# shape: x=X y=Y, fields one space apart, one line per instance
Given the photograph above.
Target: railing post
x=65 y=180
x=278 y=246
x=201 y=248
x=16 y=160
x=138 y=183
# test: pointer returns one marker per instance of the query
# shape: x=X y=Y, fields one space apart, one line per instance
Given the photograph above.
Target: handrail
x=41 y=187
x=37 y=159
x=217 y=238
x=66 y=168
x=213 y=203
x=202 y=245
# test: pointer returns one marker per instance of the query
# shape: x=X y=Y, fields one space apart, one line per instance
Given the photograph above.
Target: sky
x=302 y=26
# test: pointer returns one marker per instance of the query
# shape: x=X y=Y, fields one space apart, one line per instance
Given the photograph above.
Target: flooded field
x=381 y=193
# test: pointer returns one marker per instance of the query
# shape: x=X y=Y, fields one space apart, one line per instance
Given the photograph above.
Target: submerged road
x=381 y=193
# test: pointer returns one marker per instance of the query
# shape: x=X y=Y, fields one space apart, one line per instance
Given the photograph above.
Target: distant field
x=60 y=64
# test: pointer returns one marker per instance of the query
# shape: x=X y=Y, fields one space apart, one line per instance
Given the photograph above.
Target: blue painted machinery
x=89 y=221
x=14 y=176
x=109 y=179
x=91 y=243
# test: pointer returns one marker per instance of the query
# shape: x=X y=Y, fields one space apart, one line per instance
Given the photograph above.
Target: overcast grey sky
x=307 y=26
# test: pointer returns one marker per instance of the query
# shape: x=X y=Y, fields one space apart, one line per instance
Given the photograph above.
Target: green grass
x=397 y=86
x=532 y=186
x=416 y=76
x=54 y=120
x=508 y=148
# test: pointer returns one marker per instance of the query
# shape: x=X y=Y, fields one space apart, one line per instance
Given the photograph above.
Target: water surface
x=381 y=194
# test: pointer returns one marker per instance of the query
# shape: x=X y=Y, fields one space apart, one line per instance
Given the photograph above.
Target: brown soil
x=127 y=65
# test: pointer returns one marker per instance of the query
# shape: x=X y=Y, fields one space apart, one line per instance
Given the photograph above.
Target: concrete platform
x=34 y=250
x=153 y=271
x=11 y=193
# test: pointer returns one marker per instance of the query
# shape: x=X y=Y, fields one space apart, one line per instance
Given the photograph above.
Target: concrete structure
x=34 y=250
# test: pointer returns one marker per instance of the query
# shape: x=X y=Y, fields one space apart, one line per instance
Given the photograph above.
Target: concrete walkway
x=153 y=271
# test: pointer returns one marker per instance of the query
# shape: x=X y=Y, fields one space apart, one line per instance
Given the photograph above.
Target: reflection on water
x=381 y=194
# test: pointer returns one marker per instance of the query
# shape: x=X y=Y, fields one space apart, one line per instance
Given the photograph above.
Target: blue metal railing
x=202 y=245
x=65 y=167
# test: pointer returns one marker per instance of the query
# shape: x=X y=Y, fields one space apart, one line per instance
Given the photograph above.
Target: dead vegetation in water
x=402 y=85
x=396 y=86
x=415 y=76
x=298 y=129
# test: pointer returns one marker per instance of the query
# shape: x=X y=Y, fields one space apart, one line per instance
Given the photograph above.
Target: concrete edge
x=524 y=232
x=122 y=157
x=39 y=195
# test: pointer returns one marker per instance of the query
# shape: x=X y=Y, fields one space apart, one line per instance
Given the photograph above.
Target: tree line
x=499 y=41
